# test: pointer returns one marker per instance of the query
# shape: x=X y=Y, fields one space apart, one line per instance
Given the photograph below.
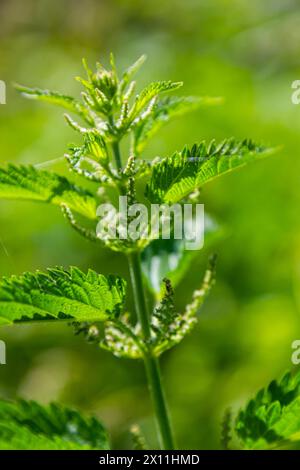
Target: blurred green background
x=247 y=52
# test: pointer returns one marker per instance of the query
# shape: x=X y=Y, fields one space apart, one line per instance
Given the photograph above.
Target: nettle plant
x=95 y=303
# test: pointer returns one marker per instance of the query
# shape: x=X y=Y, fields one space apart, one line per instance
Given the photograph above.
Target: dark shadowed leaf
x=272 y=417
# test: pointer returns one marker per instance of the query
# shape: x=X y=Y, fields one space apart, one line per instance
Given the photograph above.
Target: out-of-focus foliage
x=170 y=259
x=27 y=425
x=221 y=48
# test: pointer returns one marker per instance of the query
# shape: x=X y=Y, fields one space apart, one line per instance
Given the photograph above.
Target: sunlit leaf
x=163 y=111
x=57 y=99
x=149 y=93
x=173 y=178
x=28 y=183
x=59 y=294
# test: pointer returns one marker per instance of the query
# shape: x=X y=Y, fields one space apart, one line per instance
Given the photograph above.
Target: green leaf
x=273 y=416
x=26 y=425
x=173 y=178
x=57 y=99
x=288 y=426
x=169 y=258
x=28 y=183
x=149 y=93
x=131 y=71
x=59 y=294
x=163 y=111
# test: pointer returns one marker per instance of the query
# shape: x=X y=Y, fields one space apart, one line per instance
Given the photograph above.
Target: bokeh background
x=247 y=52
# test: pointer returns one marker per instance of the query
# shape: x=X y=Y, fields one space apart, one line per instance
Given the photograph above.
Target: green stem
x=117 y=154
x=151 y=362
x=115 y=145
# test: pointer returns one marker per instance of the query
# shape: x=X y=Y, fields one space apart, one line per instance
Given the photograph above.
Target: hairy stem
x=151 y=362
